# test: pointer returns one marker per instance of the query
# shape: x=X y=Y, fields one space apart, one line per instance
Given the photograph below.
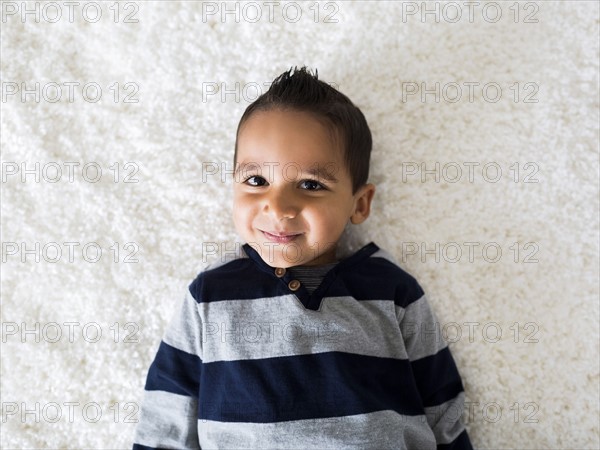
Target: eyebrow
x=321 y=173
x=239 y=166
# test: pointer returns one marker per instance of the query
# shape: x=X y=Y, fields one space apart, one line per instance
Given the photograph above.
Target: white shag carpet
x=523 y=323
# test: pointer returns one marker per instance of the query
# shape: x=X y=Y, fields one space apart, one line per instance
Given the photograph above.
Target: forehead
x=287 y=136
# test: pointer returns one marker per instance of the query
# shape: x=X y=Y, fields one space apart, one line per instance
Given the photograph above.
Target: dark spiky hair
x=299 y=90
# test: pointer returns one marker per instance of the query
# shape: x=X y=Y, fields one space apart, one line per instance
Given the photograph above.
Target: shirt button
x=294 y=285
x=280 y=271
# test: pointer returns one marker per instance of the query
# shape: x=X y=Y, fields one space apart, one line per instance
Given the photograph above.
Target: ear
x=362 y=203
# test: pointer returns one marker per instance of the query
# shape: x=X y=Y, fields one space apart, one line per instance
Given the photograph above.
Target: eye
x=311 y=185
x=255 y=181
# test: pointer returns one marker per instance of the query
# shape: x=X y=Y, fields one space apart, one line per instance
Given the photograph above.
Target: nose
x=281 y=205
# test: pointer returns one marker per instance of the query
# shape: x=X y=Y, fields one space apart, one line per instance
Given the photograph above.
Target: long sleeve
x=435 y=372
x=169 y=412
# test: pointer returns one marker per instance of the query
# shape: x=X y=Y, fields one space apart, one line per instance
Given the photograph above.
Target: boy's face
x=292 y=190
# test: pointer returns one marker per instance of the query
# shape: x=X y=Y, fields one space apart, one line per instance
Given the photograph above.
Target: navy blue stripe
x=144 y=447
x=174 y=371
x=377 y=279
x=236 y=280
x=462 y=442
x=437 y=378
x=306 y=387
x=361 y=276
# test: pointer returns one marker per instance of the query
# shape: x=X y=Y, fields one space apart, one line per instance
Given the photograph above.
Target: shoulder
x=222 y=270
x=383 y=276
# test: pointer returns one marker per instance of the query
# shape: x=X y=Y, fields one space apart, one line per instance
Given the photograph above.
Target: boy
x=284 y=346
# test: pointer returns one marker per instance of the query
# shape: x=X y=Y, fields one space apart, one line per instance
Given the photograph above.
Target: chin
x=278 y=260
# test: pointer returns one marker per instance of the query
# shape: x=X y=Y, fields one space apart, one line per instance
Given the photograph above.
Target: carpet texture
x=118 y=124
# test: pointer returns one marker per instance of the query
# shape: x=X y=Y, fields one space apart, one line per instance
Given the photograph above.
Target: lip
x=280 y=237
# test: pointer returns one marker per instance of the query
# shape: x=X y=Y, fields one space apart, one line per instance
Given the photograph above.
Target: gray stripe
x=444 y=419
x=281 y=326
x=185 y=328
x=421 y=331
x=377 y=430
x=168 y=421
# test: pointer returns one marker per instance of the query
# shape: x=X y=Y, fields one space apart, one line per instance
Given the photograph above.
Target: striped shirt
x=254 y=360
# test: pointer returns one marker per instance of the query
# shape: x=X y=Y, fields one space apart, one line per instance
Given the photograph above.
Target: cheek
x=243 y=209
x=238 y=210
x=329 y=218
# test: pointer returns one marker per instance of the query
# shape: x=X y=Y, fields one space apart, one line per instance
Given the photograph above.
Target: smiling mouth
x=281 y=238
